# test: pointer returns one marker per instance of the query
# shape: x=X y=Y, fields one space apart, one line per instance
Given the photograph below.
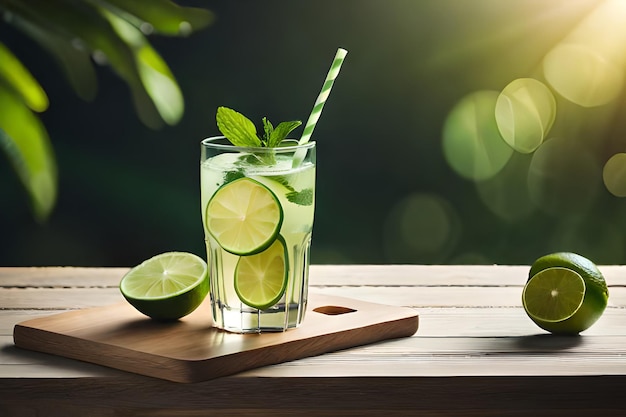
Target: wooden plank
x=9 y=318
x=422 y=357
x=424 y=360
x=514 y=349
x=503 y=322
x=445 y=366
x=60 y=276
x=437 y=275
x=423 y=396
x=57 y=298
x=434 y=322
x=21 y=363
x=418 y=297
x=74 y=298
x=323 y=275
x=424 y=275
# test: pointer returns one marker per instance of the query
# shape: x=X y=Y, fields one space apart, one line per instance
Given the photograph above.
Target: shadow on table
x=547 y=342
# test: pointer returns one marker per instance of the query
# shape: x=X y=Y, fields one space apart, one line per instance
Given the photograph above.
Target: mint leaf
x=281 y=131
x=268 y=127
x=302 y=198
x=237 y=128
x=230 y=176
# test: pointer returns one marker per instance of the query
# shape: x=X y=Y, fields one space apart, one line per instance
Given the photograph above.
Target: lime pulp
x=244 y=216
x=554 y=294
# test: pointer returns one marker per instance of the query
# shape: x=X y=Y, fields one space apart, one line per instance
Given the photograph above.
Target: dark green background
x=127 y=192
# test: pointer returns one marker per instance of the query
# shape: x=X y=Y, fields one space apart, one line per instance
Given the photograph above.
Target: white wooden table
x=476 y=353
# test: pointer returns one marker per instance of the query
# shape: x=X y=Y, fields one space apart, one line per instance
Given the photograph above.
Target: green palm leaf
x=25 y=141
x=23 y=137
x=155 y=77
x=74 y=61
x=85 y=24
x=14 y=74
x=163 y=16
x=113 y=32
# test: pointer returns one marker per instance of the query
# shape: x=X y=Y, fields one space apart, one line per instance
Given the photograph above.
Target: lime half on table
x=244 y=216
x=167 y=286
x=565 y=294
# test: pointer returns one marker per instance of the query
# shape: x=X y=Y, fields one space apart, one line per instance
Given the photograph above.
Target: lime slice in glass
x=167 y=286
x=261 y=279
x=553 y=298
x=244 y=216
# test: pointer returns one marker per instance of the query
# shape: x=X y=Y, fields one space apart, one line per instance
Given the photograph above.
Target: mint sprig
x=240 y=130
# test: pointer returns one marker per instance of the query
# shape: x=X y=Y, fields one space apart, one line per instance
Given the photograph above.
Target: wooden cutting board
x=192 y=350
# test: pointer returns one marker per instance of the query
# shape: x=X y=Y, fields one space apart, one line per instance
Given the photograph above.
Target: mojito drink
x=257 y=211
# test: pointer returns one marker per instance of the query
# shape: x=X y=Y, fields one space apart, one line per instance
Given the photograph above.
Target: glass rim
x=211 y=142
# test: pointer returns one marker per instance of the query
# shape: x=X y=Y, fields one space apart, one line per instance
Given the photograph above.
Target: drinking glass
x=234 y=182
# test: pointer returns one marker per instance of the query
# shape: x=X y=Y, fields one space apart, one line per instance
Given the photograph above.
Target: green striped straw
x=323 y=96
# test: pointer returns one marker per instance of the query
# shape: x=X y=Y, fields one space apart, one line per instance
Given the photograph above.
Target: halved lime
x=261 y=279
x=244 y=216
x=167 y=286
x=596 y=293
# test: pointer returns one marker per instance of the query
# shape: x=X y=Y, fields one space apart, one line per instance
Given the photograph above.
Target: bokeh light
x=525 y=112
x=472 y=144
x=587 y=66
x=614 y=175
x=420 y=228
x=582 y=76
x=563 y=177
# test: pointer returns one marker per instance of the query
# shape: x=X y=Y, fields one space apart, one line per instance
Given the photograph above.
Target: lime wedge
x=553 y=297
x=261 y=279
x=167 y=286
x=244 y=216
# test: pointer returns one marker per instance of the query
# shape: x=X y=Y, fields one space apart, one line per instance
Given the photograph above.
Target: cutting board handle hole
x=333 y=310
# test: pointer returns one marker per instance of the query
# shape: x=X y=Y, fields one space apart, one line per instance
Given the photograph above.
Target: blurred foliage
x=459 y=132
x=78 y=33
